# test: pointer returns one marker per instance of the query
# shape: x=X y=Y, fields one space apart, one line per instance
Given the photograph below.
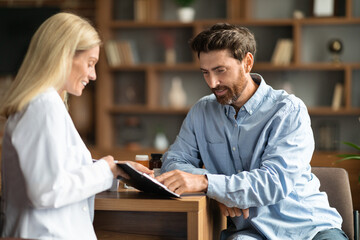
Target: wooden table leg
x=195 y=229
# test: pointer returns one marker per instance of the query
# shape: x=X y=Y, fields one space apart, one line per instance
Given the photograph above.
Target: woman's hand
x=114 y=169
x=138 y=167
x=119 y=172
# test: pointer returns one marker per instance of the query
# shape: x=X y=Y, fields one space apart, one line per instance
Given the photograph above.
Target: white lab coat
x=48 y=177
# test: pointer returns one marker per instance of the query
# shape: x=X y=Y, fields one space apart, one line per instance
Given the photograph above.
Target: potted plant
x=186 y=13
x=355 y=156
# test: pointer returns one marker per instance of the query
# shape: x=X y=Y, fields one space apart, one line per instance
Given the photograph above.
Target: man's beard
x=229 y=98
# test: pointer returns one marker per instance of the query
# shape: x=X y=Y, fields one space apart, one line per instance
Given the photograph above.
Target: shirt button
x=250 y=111
x=233 y=148
x=84 y=208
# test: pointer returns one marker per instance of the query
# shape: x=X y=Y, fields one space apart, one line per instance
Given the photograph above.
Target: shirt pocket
x=219 y=156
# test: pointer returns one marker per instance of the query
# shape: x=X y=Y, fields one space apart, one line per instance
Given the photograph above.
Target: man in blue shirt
x=249 y=147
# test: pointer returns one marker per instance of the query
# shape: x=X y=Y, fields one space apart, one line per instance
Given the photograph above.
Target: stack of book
x=283 y=52
x=121 y=53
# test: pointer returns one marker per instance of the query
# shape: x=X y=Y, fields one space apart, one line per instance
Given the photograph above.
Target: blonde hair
x=49 y=58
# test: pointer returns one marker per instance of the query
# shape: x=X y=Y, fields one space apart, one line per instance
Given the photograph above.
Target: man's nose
x=212 y=81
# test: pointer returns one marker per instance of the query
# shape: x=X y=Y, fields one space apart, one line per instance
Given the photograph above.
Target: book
x=130 y=50
x=283 y=52
x=112 y=54
x=337 y=96
x=121 y=52
x=144 y=182
x=276 y=53
x=126 y=52
x=134 y=52
x=288 y=52
x=141 y=10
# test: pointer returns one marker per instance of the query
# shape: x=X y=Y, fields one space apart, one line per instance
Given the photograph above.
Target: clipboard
x=144 y=182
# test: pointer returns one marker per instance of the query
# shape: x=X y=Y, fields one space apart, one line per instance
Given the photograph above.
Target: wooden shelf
x=248 y=22
x=138 y=109
x=328 y=21
x=121 y=153
x=257 y=66
x=150 y=24
x=153 y=74
x=328 y=111
x=308 y=66
x=157 y=66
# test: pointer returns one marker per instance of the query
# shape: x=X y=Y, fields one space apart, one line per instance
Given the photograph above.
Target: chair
x=335 y=182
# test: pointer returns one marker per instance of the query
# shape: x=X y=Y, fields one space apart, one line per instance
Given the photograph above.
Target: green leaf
x=349 y=156
x=355 y=157
x=184 y=3
x=352 y=145
x=346 y=155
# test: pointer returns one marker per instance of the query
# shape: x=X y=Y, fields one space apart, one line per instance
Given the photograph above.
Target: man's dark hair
x=239 y=40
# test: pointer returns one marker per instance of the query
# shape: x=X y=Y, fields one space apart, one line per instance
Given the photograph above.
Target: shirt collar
x=254 y=102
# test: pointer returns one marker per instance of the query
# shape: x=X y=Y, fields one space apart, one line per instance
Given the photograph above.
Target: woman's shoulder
x=46 y=105
x=48 y=96
x=47 y=102
x=44 y=114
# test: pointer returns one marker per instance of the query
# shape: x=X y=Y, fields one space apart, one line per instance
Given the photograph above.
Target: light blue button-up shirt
x=260 y=160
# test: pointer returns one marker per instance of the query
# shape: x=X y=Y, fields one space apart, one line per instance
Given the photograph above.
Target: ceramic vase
x=177 y=95
x=161 y=143
x=186 y=14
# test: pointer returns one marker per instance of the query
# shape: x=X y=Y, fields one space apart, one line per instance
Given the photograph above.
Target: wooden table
x=136 y=215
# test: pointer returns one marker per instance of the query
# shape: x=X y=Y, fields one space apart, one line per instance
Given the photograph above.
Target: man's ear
x=249 y=61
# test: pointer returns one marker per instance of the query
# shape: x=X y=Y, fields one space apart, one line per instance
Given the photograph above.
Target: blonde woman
x=48 y=176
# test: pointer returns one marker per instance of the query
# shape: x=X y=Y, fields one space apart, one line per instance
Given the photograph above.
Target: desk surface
x=133 y=200
x=193 y=216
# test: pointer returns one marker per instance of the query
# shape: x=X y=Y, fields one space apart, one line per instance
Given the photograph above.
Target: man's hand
x=233 y=212
x=181 y=182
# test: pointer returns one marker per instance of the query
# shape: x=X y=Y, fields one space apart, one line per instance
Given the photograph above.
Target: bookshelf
x=310 y=73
